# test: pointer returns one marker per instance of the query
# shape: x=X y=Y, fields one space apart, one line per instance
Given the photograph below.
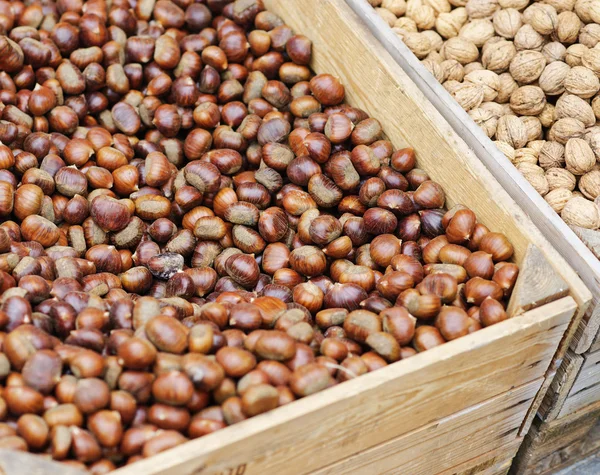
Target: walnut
x=554 y=51
x=533 y=127
x=460 y=49
x=406 y=24
x=507 y=86
x=535 y=176
x=488 y=80
x=582 y=82
x=558 y=198
x=435 y=39
x=592 y=137
x=516 y=4
x=468 y=95
x=569 y=105
x=552 y=79
x=440 y=6
x=564 y=129
x=452 y=86
x=453 y=70
x=590 y=35
x=575 y=54
x=507 y=22
x=435 y=69
x=588 y=11
x=460 y=14
x=477 y=31
x=484 y=119
x=581 y=212
x=397 y=7
x=458 y=3
x=547 y=116
x=474 y=66
x=417 y=43
x=506 y=149
x=560 y=178
x=552 y=155
x=579 y=157
x=497 y=110
x=543 y=18
x=374 y=3
x=528 y=100
x=499 y=57
x=527 y=66
x=589 y=184
x=447 y=25
x=596 y=107
x=561 y=5
x=436 y=58
x=526 y=154
x=568 y=27
x=528 y=39
x=512 y=131
x=424 y=17
x=386 y=16
x=591 y=60
x=536 y=145
x=481 y=8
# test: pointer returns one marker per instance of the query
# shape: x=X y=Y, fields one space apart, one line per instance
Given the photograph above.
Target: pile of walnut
x=528 y=74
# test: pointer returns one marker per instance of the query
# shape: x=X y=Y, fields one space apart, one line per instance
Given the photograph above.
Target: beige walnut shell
x=477 y=31
x=435 y=69
x=560 y=178
x=453 y=70
x=558 y=198
x=582 y=82
x=507 y=22
x=512 y=131
x=516 y=4
x=528 y=100
x=575 y=54
x=374 y=3
x=564 y=129
x=447 y=25
x=481 y=8
x=554 y=51
x=596 y=107
x=589 y=184
x=485 y=120
x=588 y=11
x=569 y=105
x=552 y=79
x=497 y=110
x=386 y=16
x=460 y=14
x=406 y=25
x=435 y=39
x=436 y=58
x=589 y=35
x=527 y=66
x=474 y=66
x=542 y=17
x=440 y=6
x=424 y=17
x=528 y=39
x=592 y=137
x=397 y=7
x=460 y=49
x=552 y=155
x=506 y=88
x=535 y=176
x=488 y=80
x=452 y=85
x=526 y=154
x=582 y=212
x=547 y=116
x=417 y=43
x=591 y=60
x=468 y=95
x=567 y=30
x=507 y=149
x=579 y=157
x=536 y=145
x=499 y=57
x=533 y=127
x=458 y=3
x=561 y=5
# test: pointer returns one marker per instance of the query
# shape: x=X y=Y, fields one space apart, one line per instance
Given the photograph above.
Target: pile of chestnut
x=196 y=229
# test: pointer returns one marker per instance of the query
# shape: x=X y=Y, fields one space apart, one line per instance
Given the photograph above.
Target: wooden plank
x=491 y=463
x=538 y=283
x=586 y=389
x=548 y=443
x=561 y=385
x=537 y=402
x=462 y=436
x=554 y=228
x=596 y=344
x=387 y=403
x=13 y=462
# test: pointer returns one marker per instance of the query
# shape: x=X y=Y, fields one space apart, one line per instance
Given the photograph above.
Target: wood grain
x=561 y=386
x=385 y=404
x=462 y=436
x=586 y=389
x=474 y=143
x=13 y=462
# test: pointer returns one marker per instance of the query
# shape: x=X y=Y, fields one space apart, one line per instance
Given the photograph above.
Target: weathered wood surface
x=13 y=462
x=586 y=389
x=561 y=385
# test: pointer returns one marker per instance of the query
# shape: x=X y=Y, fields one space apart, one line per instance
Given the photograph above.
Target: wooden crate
x=551 y=446
x=562 y=237
x=462 y=407
x=459 y=408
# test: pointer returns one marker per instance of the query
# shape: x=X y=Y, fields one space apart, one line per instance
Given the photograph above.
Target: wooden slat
x=550 y=446
x=440 y=445
x=378 y=406
x=559 y=234
x=537 y=402
x=491 y=463
x=586 y=389
x=22 y=463
x=561 y=385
